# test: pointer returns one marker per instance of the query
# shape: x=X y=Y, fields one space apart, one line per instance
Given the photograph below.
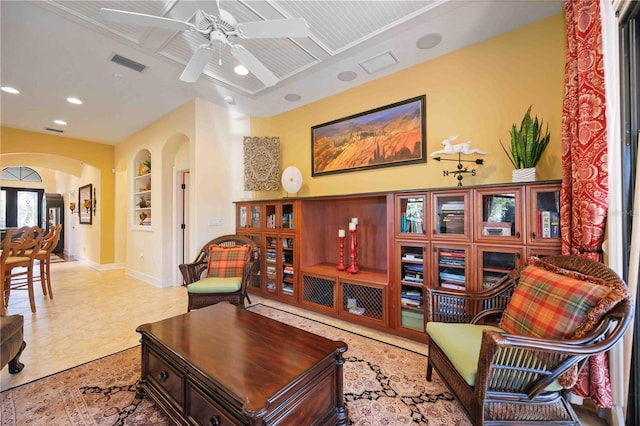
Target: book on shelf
x=496 y=228
x=287 y=288
x=555 y=225
x=410 y=303
x=451 y=275
x=452 y=205
x=453 y=286
x=545 y=224
x=412 y=256
x=453 y=253
x=412 y=225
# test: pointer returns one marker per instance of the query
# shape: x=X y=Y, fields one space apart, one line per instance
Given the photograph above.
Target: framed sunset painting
x=391 y=135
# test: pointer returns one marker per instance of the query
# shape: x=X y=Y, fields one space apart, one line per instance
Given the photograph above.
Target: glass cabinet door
x=499 y=215
x=452 y=265
x=410 y=215
x=279 y=215
x=256 y=214
x=288 y=266
x=543 y=203
x=287 y=222
x=271 y=275
x=495 y=263
x=451 y=215
x=413 y=269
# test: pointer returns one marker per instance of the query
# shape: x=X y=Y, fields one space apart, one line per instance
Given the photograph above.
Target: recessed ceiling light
x=292 y=97
x=230 y=100
x=75 y=101
x=241 y=70
x=10 y=89
x=347 y=76
x=60 y=122
x=429 y=41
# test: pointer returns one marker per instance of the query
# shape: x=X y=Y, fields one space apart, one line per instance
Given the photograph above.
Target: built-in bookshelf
x=142 y=193
x=464 y=239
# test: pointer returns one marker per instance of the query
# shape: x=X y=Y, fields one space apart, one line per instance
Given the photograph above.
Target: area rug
x=383 y=385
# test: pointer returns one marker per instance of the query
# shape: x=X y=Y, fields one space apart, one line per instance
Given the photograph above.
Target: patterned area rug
x=383 y=385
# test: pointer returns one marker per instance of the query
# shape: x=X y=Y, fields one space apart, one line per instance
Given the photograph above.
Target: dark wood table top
x=251 y=355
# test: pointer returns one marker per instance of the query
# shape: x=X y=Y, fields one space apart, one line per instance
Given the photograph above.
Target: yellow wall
x=20 y=147
x=476 y=93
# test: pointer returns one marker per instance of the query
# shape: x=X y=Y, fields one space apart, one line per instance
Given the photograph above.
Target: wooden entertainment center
x=464 y=238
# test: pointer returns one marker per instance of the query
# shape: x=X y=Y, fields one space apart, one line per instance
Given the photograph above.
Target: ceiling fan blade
x=210 y=7
x=196 y=64
x=254 y=66
x=274 y=28
x=141 y=19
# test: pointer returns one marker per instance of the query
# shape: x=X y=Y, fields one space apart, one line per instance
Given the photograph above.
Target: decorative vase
x=524 y=175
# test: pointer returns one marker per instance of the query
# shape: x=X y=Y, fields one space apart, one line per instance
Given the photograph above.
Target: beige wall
x=203 y=138
x=476 y=93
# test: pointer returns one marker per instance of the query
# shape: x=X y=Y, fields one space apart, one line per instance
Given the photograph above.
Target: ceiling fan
x=217 y=28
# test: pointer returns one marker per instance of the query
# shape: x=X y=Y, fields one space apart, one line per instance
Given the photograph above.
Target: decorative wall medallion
x=261 y=163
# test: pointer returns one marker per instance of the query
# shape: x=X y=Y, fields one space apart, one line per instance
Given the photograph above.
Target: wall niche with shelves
x=142 y=194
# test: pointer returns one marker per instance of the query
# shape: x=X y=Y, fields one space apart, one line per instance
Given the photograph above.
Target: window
x=20 y=207
x=24 y=174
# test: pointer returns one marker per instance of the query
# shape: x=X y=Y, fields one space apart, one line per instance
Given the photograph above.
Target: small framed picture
x=85 y=204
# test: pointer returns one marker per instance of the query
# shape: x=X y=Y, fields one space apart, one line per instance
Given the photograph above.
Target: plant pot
x=524 y=175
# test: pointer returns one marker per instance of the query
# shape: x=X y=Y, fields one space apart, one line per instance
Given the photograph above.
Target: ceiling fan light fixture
x=74 y=100
x=241 y=70
x=10 y=89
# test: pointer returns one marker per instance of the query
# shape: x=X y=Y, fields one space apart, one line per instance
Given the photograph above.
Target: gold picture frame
x=85 y=204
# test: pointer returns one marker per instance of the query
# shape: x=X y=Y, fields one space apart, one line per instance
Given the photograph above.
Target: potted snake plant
x=527 y=145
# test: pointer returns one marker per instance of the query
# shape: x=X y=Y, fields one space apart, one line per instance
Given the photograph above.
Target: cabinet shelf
x=142 y=193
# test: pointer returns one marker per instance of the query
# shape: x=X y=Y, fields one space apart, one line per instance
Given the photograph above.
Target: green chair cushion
x=215 y=285
x=461 y=342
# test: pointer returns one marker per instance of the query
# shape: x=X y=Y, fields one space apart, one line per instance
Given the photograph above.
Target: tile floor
x=95 y=313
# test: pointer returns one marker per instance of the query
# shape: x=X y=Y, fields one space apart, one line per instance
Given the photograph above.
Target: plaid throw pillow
x=227 y=262
x=618 y=292
x=550 y=305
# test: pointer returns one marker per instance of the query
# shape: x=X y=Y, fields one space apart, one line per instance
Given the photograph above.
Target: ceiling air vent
x=54 y=130
x=379 y=62
x=129 y=63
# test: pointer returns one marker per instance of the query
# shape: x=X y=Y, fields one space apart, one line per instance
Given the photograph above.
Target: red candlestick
x=341 y=266
x=353 y=268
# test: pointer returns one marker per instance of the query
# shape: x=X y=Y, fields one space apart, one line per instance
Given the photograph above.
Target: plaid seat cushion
x=227 y=261
x=549 y=305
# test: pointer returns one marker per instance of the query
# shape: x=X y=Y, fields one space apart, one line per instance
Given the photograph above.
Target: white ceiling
x=55 y=49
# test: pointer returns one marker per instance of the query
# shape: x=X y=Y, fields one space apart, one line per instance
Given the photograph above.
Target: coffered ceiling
x=54 y=49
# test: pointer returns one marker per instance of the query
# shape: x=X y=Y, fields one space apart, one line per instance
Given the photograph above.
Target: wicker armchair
x=516 y=378
x=196 y=271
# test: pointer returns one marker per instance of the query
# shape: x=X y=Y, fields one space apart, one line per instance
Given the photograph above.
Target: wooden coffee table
x=224 y=365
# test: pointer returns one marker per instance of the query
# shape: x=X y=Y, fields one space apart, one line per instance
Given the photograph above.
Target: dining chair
x=19 y=249
x=49 y=242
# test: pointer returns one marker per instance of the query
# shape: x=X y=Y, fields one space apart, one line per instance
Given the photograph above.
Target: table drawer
x=166 y=380
x=204 y=411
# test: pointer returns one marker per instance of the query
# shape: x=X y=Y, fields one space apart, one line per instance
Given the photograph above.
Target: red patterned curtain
x=584 y=192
